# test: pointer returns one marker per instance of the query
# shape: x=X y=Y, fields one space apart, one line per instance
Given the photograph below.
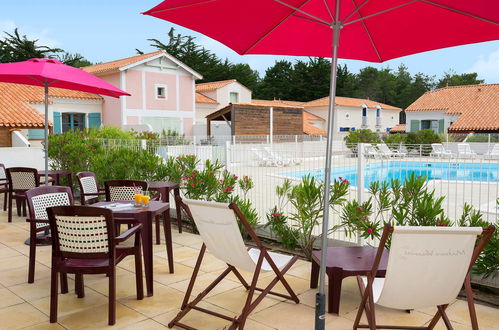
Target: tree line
x=301 y=80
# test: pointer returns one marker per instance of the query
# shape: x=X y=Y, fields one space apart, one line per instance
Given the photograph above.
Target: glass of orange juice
x=138 y=199
x=145 y=200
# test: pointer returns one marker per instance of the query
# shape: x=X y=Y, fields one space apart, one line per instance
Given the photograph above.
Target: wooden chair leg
x=441 y=310
x=157 y=227
x=18 y=207
x=471 y=303
x=138 y=274
x=32 y=253
x=25 y=213
x=64 y=283
x=246 y=309
x=53 y=295
x=79 y=286
x=9 y=214
x=112 y=296
x=5 y=197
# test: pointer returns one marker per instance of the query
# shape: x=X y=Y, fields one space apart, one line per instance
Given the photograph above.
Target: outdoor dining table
x=164 y=188
x=57 y=174
x=145 y=215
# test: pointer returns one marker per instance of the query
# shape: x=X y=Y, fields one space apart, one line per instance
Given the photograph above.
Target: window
x=347 y=115
x=378 y=113
x=233 y=97
x=160 y=124
x=72 y=121
x=161 y=92
x=364 y=112
x=345 y=129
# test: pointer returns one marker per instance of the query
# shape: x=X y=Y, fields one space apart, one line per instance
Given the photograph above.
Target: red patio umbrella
x=371 y=30
x=49 y=72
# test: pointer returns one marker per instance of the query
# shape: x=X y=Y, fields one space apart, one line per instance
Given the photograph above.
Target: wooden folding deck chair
x=426 y=268
x=217 y=225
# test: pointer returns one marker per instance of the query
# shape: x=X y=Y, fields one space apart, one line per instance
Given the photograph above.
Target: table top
x=352 y=258
x=55 y=172
x=154 y=207
x=162 y=184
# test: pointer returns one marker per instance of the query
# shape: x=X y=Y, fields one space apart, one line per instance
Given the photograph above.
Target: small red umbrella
x=371 y=30
x=49 y=72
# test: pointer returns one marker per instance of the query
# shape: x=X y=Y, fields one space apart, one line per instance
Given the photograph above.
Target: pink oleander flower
x=234 y=176
x=229 y=188
x=224 y=190
x=441 y=224
x=276 y=214
x=193 y=184
x=221 y=181
x=359 y=210
x=193 y=175
x=341 y=179
x=370 y=230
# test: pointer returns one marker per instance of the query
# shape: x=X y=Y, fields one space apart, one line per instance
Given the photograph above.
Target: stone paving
x=26 y=306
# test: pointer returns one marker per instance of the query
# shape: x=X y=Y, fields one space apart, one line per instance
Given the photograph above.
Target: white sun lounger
x=217 y=224
x=372 y=151
x=494 y=152
x=438 y=150
x=464 y=150
x=426 y=268
x=387 y=152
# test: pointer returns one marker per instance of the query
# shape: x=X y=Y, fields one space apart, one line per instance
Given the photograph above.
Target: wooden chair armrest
x=93 y=194
x=37 y=220
x=126 y=235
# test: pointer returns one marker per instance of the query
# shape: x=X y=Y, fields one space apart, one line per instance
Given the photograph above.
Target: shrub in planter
x=396 y=138
x=423 y=136
x=361 y=136
x=306 y=199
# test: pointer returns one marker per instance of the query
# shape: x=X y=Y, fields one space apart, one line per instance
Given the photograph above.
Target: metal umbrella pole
x=46 y=132
x=320 y=301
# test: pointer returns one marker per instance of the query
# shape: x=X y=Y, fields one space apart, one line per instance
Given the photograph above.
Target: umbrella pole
x=46 y=133
x=320 y=302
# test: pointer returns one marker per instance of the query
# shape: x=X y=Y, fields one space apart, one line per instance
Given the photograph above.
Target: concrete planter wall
x=491 y=281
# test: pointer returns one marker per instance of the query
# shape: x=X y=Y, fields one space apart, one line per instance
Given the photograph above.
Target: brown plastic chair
x=4 y=186
x=21 y=179
x=426 y=268
x=217 y=225
x=39 y=199
x=125 y=190
x=89 y=188
x=94 y=251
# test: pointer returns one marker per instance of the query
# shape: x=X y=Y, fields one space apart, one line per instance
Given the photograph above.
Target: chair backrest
x=82 y=232
x=463 y=148
x=438 y=148
x=217 y=225
x=3 y=174
x=88 y=185
x=369 y=149
x=427 y=265
x=41 y=198
x=384 y=148
x=123 y=190
x=22 y=178
x=495 y=149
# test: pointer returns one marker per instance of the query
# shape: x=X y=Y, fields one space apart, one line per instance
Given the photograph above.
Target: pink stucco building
x=162 y=92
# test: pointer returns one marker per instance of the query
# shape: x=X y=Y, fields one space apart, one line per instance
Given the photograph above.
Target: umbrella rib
x=179 y=7
x=355 y=11
x=295 y=9
x=328 y=9
x=380 y=12
x=459 y=12
x=367 y=30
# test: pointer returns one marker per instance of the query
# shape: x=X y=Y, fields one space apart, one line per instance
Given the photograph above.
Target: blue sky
x=105 y=30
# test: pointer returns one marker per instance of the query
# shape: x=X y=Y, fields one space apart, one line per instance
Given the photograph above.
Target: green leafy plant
x=361 y=136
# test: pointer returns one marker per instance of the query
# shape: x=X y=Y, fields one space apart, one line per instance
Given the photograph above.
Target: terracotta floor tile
x=97 y=318
x=69 y=303
x=38 y=289
x=164 y=300
x=8 y=298
x=202 y=282
x=20 y=316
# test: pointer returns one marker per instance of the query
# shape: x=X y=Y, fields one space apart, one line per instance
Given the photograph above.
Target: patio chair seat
x=378 y=284
x=280 y=260
x=92 y=264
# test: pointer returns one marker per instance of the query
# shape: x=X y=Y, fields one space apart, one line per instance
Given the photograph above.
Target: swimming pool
x=386 y=171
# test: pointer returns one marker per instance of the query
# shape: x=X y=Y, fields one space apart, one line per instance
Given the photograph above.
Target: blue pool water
x=387 y=171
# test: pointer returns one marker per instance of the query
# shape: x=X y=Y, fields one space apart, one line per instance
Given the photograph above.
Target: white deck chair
x=371 y=151
x=464 y=150
x=438 y=150
x=217 y=224
x=280 y=159
x=426 y=268
x=263 y=159
x=387 y=152
x=494 y=152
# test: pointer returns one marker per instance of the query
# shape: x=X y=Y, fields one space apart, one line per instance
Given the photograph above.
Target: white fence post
x=361 y=164
x=227 y=155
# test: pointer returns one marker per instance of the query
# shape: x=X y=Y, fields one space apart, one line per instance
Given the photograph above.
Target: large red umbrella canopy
x=373 y=30
x=38 y=71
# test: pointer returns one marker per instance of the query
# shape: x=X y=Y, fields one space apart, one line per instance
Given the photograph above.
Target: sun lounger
x=387 y=152
x=494 y=152
x=438 y=150
x=371 y=151
x=464 y=150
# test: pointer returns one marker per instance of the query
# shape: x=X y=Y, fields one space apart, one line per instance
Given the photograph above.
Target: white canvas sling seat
x=427 y=267
x=217 y=224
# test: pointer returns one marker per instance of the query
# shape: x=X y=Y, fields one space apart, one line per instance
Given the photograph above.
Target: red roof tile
x=214 y=85
x=348 y=102
x=113 y=66
x=200 y=98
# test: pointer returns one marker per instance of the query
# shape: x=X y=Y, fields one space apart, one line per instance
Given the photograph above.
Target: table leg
x=167 y=225
x=334 y=294
x=146 y=235
x=176 y=192
x=314 y=275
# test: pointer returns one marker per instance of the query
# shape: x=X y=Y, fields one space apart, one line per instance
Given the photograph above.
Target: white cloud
x=43 y=35
x=487 y=67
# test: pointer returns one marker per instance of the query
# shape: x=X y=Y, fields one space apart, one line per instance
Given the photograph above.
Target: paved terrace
x=26 y=306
